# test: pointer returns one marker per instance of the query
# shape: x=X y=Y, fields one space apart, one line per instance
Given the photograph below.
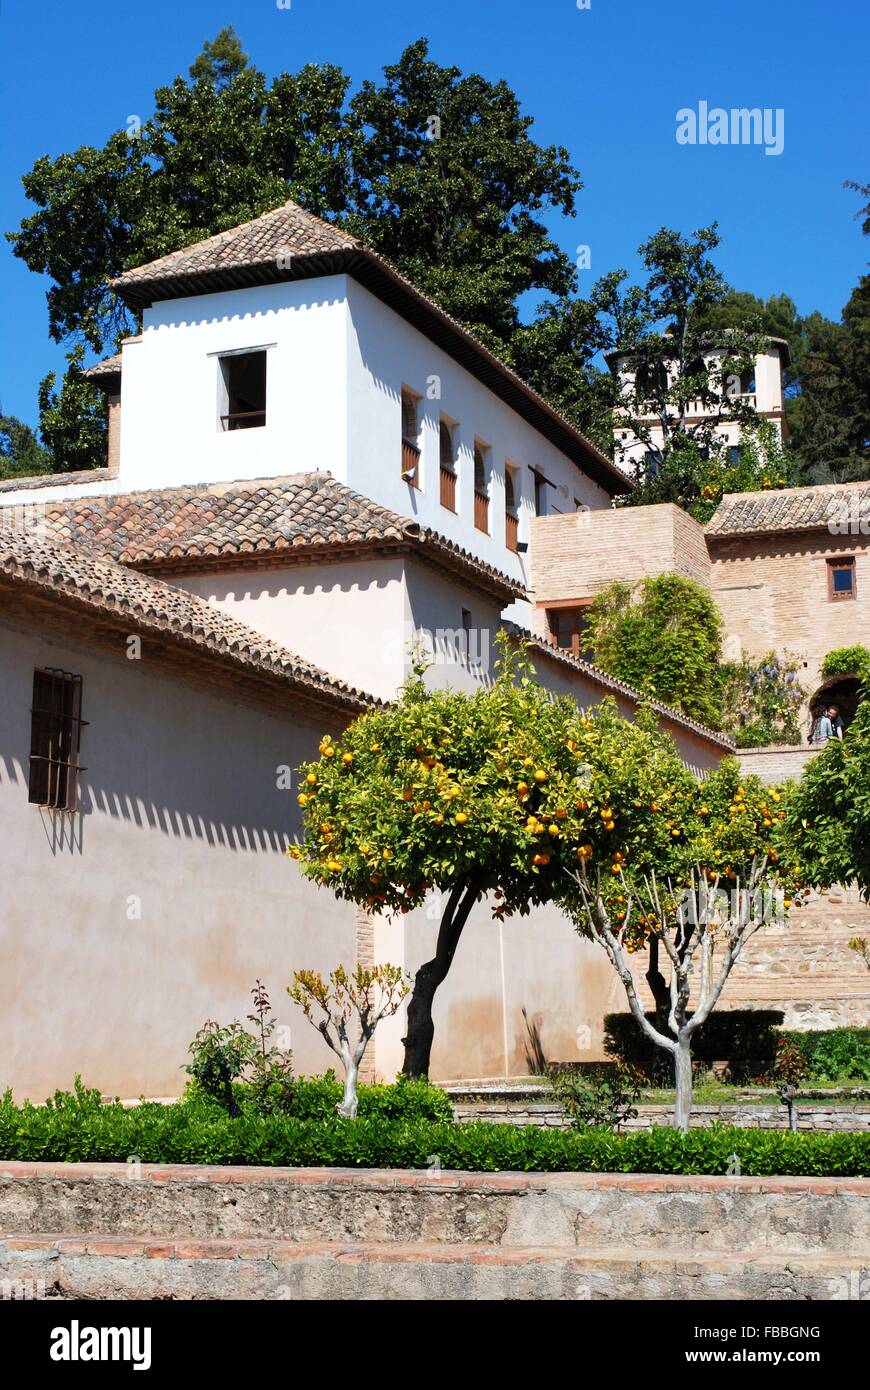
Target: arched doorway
x=841 y=691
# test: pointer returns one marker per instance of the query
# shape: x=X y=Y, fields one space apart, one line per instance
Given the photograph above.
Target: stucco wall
x=181 y=823
x=170 y=432
x=384 y=354
x=349 y=617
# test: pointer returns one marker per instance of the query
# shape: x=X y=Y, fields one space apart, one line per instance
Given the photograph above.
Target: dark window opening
x=55 y=740
x=841 y=579
x=540 y=494
x=410 y=436
x=244 y=375
x=568 y=628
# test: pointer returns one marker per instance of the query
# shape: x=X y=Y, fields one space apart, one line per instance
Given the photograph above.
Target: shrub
x=224 y=1057
x=180 y=1133
x=836 y=1054
x=744 y=1038
x=762 y=700
x=605 y=1095
x=790 y=1065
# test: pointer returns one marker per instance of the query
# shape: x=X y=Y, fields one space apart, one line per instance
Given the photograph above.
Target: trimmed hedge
x=75 y=1129
x=744 y=1038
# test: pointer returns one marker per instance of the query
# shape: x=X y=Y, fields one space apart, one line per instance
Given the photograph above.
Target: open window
x=568 y=627
x=243 y=379
x=447 y=461
x=55 y=739
x=410 y=437
x=481 y=486
x=511 y=507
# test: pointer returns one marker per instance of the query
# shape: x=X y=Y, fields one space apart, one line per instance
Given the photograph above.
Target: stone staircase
x=804 y=968
x=115 y=1231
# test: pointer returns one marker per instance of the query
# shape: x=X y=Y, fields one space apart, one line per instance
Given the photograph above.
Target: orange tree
x=458 y=794
x=689 y=870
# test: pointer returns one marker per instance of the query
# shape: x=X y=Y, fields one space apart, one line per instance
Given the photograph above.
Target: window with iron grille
x=55 y=740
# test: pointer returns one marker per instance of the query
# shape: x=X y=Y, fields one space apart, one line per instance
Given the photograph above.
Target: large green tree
x=436 y=169
x=21 y=454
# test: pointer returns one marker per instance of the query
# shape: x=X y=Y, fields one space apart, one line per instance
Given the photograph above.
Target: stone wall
x=93 y=1231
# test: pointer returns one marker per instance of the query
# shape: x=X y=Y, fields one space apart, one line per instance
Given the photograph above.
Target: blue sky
x=606 y=82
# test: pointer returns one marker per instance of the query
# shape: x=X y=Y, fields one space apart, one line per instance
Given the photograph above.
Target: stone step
x=580 y=1211
x=130 y=1267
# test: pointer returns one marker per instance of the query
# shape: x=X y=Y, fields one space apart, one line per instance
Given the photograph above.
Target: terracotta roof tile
x=283 y=231
x=828 y=506
x=272 y=517
x=152 y=606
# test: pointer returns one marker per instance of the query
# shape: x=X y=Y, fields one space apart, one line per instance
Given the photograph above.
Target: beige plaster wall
x=124 y=927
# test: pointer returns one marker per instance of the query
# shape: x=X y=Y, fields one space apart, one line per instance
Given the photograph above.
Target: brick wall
x=773 y=595
x=576 y=555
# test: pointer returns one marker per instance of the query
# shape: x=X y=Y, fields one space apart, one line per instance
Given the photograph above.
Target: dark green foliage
x=848 y=661
x=21 y=454
x=80 y=1131
x=744 y=1038
x=73 y=420
x=838 y=1054
x=663 y=638
x=828 y=813
x=604 y=1095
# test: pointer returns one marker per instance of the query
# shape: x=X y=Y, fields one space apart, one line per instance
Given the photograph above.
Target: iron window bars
x=55 y=740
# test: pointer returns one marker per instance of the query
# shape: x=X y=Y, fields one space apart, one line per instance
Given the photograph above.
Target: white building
x=759 y=388
x=309 y=464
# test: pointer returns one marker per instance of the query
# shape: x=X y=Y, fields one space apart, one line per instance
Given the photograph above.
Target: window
x=511 y=522
x=481 y=486
x=448 y=465
x=244 y=390
x=841 y=579
x=567 y=628
x=55 y=737
x=733 y=455
x=410 y=437
x=540 y=493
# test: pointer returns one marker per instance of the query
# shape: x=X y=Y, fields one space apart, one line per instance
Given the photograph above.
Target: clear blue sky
x=605 y=82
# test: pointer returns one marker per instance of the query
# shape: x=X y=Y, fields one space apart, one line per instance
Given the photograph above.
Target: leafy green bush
x=225 y=1059
x=837 y=1054
x=847 y=661
x=744 y=1038
x=605 y=1095
x=761 y=701
x=185 y=1133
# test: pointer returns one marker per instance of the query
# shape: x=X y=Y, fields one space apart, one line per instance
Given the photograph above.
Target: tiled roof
x=288 y=243
x=613 y=686
x=236 y=523
x=149 y=605
x=792 y=509
x=108 y=367
x=283 y=231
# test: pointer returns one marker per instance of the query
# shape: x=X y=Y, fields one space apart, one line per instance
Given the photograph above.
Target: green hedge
x=838 y=1054
x=78 y=1129
x=744 y=1038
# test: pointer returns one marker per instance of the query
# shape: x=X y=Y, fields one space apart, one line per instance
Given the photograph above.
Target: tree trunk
x=349 y=1102
x=683 y=1082
x=421 y=1029
x=658 y=986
